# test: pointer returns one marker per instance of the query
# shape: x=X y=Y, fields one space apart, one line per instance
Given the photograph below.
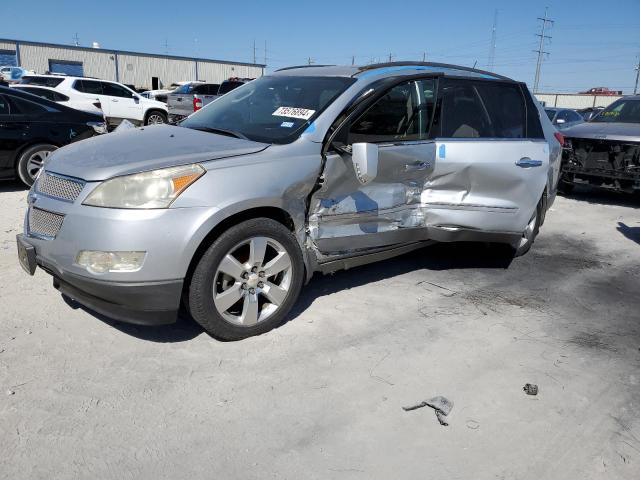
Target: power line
x=540 y=50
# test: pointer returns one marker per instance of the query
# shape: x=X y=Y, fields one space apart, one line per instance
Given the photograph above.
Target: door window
x=482 y=110
x=403 y=114
x=115 y=90
x=25 y=107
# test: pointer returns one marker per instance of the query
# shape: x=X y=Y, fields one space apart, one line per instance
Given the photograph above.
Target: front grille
x=44 y=223
x=59 y=187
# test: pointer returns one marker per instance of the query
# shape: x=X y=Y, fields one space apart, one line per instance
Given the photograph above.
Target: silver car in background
x=309 y=169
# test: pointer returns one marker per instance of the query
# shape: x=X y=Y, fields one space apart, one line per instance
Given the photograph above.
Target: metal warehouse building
x=143 y=70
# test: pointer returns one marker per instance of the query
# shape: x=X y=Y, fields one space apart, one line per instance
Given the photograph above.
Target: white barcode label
x=293 y=112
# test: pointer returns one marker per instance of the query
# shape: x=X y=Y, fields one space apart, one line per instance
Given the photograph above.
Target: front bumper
x=142 y=303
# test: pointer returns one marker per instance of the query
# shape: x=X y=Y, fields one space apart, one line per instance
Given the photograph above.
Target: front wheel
x=156 y=117
x=31 y=161
x=247 y=281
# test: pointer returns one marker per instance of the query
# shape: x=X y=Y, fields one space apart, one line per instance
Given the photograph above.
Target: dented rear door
x=488 y=175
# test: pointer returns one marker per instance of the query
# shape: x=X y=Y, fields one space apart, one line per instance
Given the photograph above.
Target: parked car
x=32 y=127
x=601 y=91
x=13 y=74
x=190 y=98
x=562 y=118
x=605 y=152
x=71 y=100
x=589 y=113
x=118 y=102
x=161 y=94
x=305 y=170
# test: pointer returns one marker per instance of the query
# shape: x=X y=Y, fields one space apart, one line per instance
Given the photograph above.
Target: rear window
x=208 y=89
x=226 y=87
x=44 y=93
x=42 y=81
x=25 y=107
x=184 y=89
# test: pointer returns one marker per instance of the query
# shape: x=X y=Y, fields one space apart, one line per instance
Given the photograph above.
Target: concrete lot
x=321 y=396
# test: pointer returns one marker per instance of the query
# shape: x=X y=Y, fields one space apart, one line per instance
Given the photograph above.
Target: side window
x=41 y=92
x=463 y=113
x=505 y=106
x=25 y=107
x=574 y=116
x=4 y=106
x=403 y=114
x=482 y=110
x=114 y=90
x=88 y=86
x=534 y=127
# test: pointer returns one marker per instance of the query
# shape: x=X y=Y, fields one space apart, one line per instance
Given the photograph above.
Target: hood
x=624 y=132
x=142 y=149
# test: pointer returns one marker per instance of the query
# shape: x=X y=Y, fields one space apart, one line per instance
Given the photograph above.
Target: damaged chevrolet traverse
x=605 y=152
x=309 y=169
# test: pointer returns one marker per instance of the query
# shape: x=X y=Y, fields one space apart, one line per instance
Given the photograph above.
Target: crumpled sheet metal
x=440 y=404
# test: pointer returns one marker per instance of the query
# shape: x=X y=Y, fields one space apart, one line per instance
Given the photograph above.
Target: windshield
x=622 y=111
x=270 y=109
x=550 y=114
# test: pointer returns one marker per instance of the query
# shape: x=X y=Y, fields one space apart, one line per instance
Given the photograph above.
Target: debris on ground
x=441 y=405
x=530 y=389
x=10 y=392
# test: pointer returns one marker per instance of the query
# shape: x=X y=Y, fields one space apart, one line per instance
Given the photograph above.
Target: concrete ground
x=321 y=397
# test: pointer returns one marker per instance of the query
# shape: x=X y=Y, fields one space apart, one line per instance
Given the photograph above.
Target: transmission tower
x=540 y=50
x=492 y=50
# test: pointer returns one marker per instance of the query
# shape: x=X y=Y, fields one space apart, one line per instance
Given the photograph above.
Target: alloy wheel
x=36 y=161
x=252 y=281
x=155 y=119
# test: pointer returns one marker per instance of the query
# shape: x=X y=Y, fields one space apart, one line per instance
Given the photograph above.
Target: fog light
x=96 y=261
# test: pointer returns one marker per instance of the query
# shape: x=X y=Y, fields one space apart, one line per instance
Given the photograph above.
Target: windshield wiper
x=221 y=131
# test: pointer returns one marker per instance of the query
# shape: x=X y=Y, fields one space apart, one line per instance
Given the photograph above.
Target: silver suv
x=309 y=169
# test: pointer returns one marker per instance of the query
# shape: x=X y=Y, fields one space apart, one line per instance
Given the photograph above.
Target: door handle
x=412 y=167
x=526 y=162
x=114 y=100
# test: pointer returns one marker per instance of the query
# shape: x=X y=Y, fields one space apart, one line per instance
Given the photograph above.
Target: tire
x=248 y=301
x=530 y=233
x=31 y=161
x=155 y=117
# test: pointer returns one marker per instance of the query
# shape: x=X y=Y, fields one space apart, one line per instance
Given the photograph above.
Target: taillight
x=197 y=104
x=560 y=138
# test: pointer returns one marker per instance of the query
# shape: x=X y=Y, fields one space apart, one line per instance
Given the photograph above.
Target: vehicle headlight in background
x=96 y=261
x=155 y=189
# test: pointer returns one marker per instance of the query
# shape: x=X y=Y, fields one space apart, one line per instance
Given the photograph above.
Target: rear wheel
x=31 y=161
x=530 y=232
x=247 y=281
x=155 y=117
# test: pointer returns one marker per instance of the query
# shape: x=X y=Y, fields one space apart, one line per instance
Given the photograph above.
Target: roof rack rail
x=303 y=66
x=374 y=66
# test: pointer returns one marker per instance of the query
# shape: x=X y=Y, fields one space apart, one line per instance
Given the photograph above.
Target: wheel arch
x=275 y=213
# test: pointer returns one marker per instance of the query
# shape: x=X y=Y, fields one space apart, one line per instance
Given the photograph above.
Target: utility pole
x=390 y=57
x=424 y=56
x=254 y=51
x=353 y=59
x=492 y=49
x=166 y=46
x=265 y=52
x=309 y=61
x=635 y=89
x=540 y=50
x=76 y=40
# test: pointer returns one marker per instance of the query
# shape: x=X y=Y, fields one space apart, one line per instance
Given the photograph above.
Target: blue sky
x=594 y=43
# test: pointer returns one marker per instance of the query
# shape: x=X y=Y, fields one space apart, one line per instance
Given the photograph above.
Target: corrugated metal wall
x=575 y=101
x=95 y=64
x=132 y=69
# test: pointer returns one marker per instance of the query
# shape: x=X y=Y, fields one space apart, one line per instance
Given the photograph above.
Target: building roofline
x=128 y=52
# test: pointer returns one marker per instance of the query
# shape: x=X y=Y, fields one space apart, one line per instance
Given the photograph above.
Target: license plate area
x=26 y=255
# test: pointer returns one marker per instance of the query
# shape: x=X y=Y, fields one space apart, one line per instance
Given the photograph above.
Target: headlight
x=98 y=127
x=155 y=189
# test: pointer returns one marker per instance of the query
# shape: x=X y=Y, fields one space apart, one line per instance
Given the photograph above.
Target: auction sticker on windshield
x=293 y=112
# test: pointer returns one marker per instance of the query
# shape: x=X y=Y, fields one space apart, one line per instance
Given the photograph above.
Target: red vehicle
x=602 y=91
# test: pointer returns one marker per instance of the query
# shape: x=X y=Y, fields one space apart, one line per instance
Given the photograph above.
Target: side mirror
x=560 y=121
x=365 y=161
x=136 y=98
